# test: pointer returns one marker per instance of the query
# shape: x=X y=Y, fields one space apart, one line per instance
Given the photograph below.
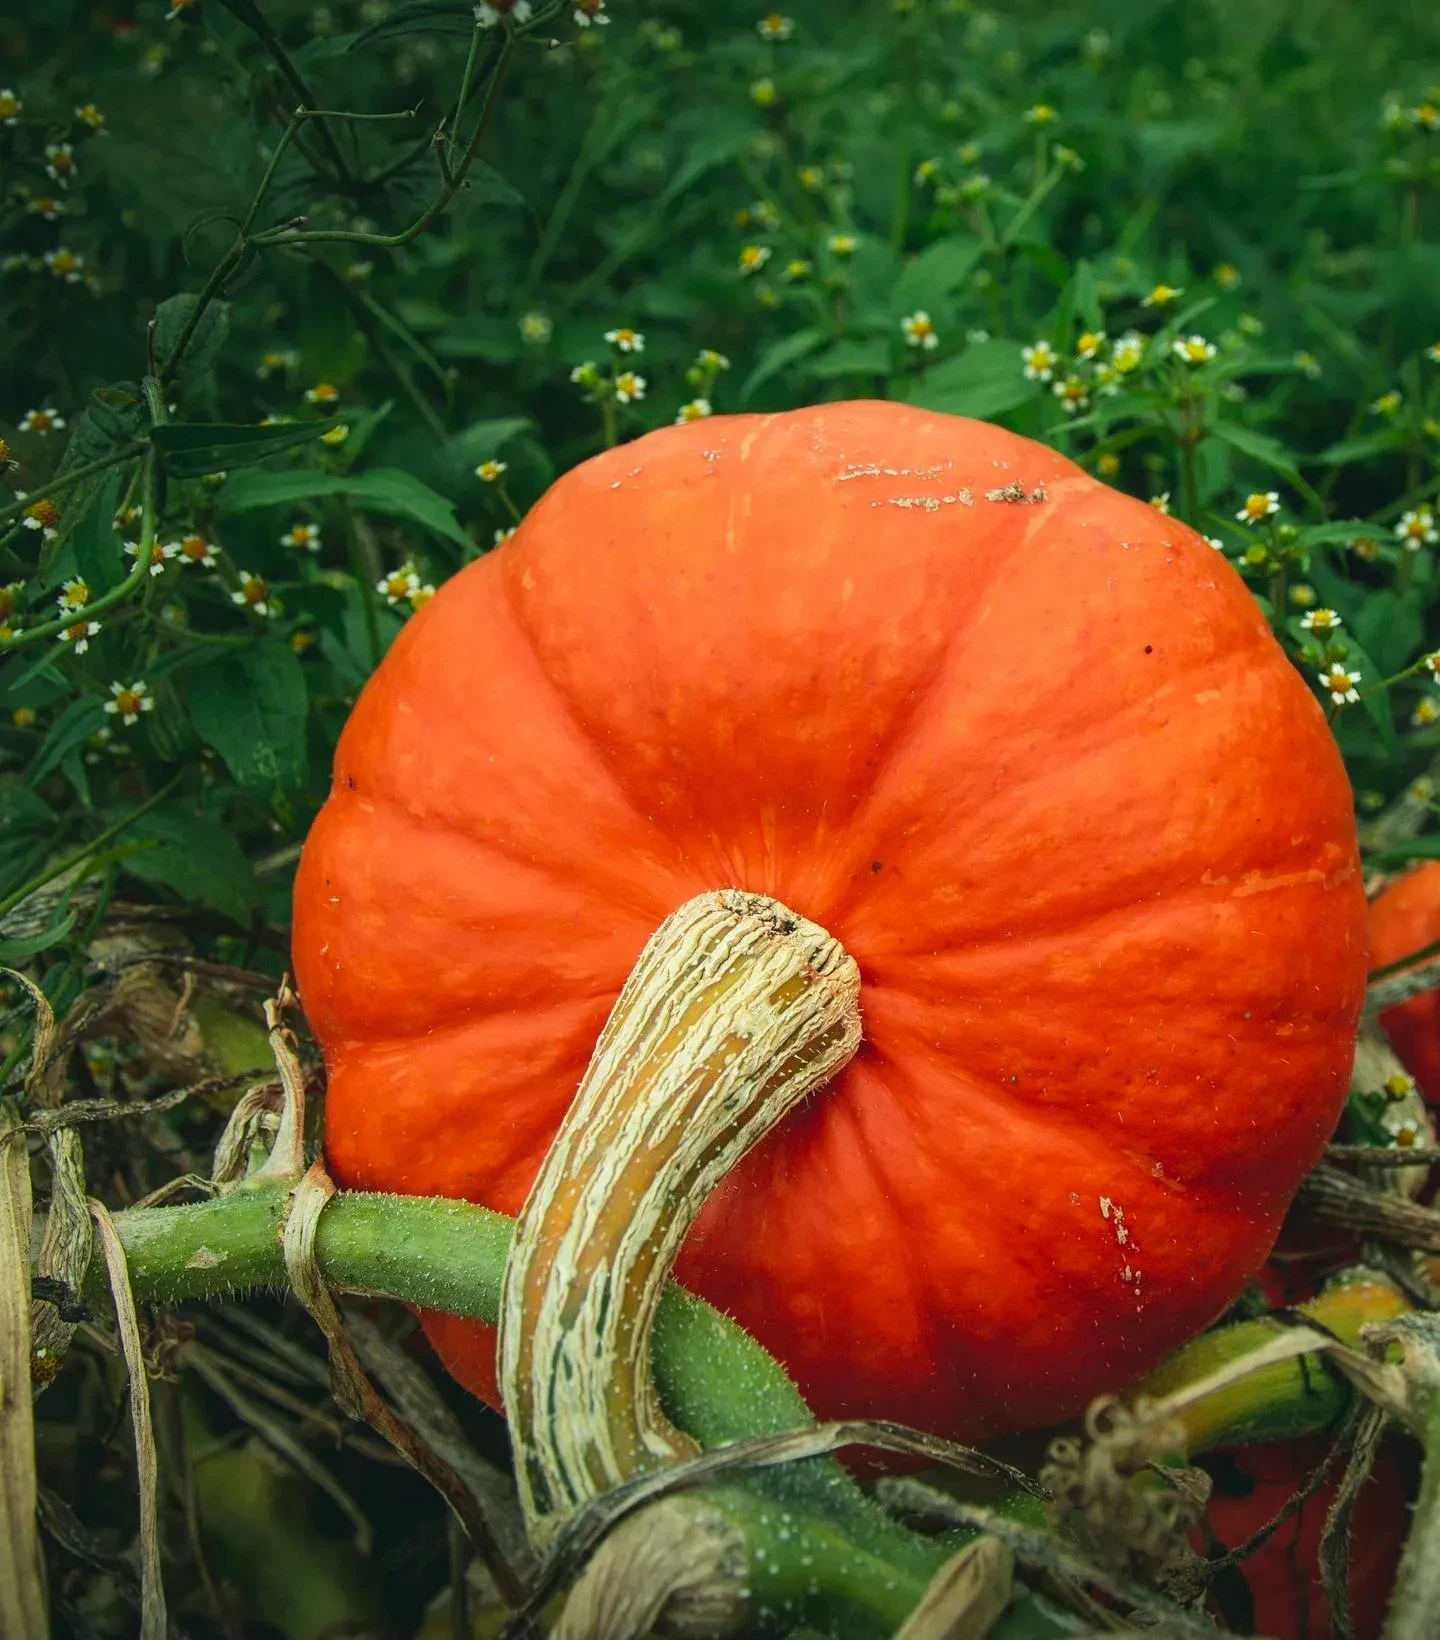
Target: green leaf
x=850 y=358
x=69 y=731
x=418 y=17
x=1391 y=626
x=113 y=420
x=194 y=448
x=14 y=952
x=173 y=315
x=481 y=441
x=1360 y=449
x=1087 y=297
x=986 y=380
x=384 y=490
x=251 y=706
x=95 y=544
x=779 y=354
x=27 y=828
x=197 y=859
x=1269 y=452
x=927 y=279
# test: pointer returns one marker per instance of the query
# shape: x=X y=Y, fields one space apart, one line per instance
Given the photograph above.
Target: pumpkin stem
x=736 y=1009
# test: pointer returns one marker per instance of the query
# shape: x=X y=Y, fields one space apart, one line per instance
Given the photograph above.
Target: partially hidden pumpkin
x=1404 y=918
x=1284 y=1587
x=1024 y=745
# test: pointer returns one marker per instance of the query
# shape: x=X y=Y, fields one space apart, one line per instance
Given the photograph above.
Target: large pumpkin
x=1405 y=917
x=1024 y=745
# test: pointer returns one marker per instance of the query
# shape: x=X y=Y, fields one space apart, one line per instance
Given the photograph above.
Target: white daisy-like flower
x=1258 y=506
x=399 y=585
x=192 y=549
x=843 y=244
x=590 y=12
x=324 y=394
x=629 y=388
x=304 y=537
x=538 y=328
x=490 y=472
x=694 y=410
x=42 y=515
x=128 y=700
x=1073 y=394
x=1416 y=529
x=156 y=559
x=1160 y=296
x=626 y=340
x=775 y=26
x=495 y=12
x=254 y=593
x=1161 y=502
x=919 y=331
x=754 y=257
x=1040 y=361
x=41 y=421
x=11 y=108
x=65 y=264
x=1426 y=713
x=1321 y=620
x=60 y=163
x=1089 y=344
x=503 y=535
x=74 y=594
x=1129 y=352
x=79 y=634
x=1340 y=684
x=1192 y=350
x=1213 y=541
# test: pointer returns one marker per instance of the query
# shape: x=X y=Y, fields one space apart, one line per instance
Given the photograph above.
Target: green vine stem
x=715 y=1381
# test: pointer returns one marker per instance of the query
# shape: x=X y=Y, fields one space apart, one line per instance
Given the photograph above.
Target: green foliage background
x=189 y=273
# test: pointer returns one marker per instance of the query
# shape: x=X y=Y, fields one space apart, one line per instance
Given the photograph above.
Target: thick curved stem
x=736 y=1009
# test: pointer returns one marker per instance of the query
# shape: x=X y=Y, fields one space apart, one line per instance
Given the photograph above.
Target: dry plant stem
x=736 y=1009
x=1415 y=1606
x=22 y=1586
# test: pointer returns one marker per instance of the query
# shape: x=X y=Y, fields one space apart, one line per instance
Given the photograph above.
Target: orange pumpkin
x=1024 y=745
x=1254 y=1485
x=1405 y=917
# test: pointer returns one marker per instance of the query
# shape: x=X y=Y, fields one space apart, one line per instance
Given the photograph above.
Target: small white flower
x=66 y=264
x=1340 y=684
x=157 y=555
x=306 y=537
x=1433 y=353
x=1417 y=529
x=11 y=108
x=487 y=16
x=1089 y=344
x=1192 y=350
x=1160 y=296
x=1040 y=361
x=1161 y=502
x=79 y=634
x=590 y=11
x=709 y=359
x=489 y=472
x=1073 y=394
x=919 y=331
x=1259 y=506
x=1321 y=620
x=41 y=421
x=254 y=593
x=74 y=594
x=192 y=549
x=128 y=700
x=843 y=244
x=1213 y=541
x=399 y=586
x=60 y=163
x=754 y=257
x=1129 y=352
x=695 y=410
x=629 y=388
x=626 y=340
x=538 y=328
x=775 y=26
x=503 y=535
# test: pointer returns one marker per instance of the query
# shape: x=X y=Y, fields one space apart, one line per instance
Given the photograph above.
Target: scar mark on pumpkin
x=928 y=503
x=872 y=469
x=1114 y=1215
x=1015 y=491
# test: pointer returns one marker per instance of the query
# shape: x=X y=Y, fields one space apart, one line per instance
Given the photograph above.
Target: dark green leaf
x=197 y=859
x=171 y=318
x=385 y=490
x=1391 y=626
x=13 y=952
x=1360 y=449
x=70 y=731
x=986 y=380
x=112 y=421
x=418 y=17
x=848 y=358
x=250 y=706
x=191 y=449
x=927 y=279
x=27 y=832
x=779 y=354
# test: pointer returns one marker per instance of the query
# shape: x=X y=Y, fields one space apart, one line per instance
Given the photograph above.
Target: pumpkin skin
x=1283 y=1573
x=1405 y=917
x=1041 y=768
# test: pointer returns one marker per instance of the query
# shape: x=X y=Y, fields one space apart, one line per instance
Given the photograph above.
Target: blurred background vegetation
x=270 y=380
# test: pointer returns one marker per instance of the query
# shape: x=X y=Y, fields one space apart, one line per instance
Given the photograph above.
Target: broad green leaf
x=171 y=318
x=850 y=358
x=1360 y=449
x=27 y=833
x=198 y=859
x=1391 y=626
x=384 y=490
x=251 y=707
x=1269 y=452
x=113 y=420
x=986 y=380
x=417 y=17
x=779 y=354
x=190 y=449
x=80 y=719
x=481 y=441
x=927 y=279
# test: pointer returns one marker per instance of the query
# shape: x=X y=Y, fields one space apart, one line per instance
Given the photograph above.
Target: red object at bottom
x=1283 y=1574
